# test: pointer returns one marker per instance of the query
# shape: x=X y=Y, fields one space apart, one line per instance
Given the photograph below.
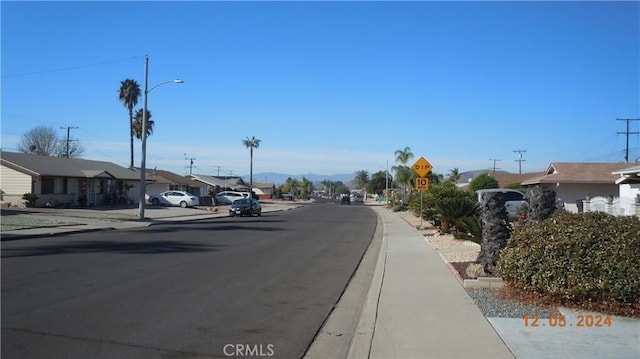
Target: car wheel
x=155 y=202
x=260 y=214
x=183 y=204
x=251 y=213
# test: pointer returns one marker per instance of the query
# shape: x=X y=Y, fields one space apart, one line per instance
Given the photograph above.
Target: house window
x=47 y=185
x=65 y=185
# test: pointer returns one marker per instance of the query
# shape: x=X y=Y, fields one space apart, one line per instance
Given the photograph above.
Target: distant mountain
x=280 y=178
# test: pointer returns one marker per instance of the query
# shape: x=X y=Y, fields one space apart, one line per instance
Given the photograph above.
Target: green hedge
x=576 y=257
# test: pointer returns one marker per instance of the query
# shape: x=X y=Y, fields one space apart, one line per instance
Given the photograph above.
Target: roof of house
x=262 y=185
x=166 y=177
x=234 y=183
x=578 y=172
x=37 y=166
x=628 y=175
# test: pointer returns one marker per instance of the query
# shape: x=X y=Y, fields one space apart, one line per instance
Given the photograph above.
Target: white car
x=174 y=198
x=228 y=197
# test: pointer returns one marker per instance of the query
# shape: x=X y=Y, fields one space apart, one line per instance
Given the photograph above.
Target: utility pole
x=68 y=128
x=627 y=120
x=218 y=167
x=494 y=163
x=191 y=159
x=520 y=160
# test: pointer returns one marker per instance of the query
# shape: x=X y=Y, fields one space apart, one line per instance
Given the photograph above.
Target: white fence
x=615 y=206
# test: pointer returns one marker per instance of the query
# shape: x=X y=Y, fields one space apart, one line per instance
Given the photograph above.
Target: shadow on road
x=128 y=247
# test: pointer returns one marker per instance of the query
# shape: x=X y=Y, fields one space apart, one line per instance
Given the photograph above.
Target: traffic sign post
x=422 y=168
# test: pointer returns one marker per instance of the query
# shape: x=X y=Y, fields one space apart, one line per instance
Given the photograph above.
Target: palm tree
x=362 y=179
x=129 y=94
x=403 y=172
x=454 y=175
x=251 y=143
x=137 y=124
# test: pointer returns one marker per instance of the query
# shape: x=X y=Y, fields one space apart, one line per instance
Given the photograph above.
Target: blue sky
x=329 y=87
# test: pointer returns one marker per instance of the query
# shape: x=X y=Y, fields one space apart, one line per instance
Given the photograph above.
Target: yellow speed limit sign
x=422 y=184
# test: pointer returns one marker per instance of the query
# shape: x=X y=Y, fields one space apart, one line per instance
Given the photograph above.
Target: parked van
x=513 y=199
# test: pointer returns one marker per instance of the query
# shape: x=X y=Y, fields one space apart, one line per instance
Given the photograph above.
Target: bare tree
x=40 y=140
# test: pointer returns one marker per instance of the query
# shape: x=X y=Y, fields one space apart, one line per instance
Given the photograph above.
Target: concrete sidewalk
x=421 y=310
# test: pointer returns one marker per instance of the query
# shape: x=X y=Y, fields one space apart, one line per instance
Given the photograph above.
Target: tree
x=483 y=181
x=361 y=179
x=379 y=182
x=40 y=140
x=454 y=175
x=306 y=188
x=496 y=230
x=404 y=174
x=137 y=124
x=251 y=143
x=129 y=94
x=43 y=141
x=75 y=149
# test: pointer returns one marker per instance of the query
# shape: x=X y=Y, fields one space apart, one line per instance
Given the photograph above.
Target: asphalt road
x=225 y=287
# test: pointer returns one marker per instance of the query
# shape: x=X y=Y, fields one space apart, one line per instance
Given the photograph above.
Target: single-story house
x=573 y=182
x=216 y=184
x=263 y=190
x=61 y=181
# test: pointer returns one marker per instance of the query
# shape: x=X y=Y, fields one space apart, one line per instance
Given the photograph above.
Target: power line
x=520 y=160
x=627 y=120
x=69 y=68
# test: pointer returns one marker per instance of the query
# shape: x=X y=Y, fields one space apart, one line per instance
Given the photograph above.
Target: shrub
x=576 y=258
x=31 y=199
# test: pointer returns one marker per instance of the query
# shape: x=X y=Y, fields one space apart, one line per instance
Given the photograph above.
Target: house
x=65 y=181
x=215 y=184
x=169 y=181
x=263 y=190
x=573 y=182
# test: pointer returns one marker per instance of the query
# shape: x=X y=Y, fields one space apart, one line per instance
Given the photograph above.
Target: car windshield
x=241 y=201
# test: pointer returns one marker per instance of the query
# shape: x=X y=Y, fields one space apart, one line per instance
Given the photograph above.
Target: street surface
x=224 y=287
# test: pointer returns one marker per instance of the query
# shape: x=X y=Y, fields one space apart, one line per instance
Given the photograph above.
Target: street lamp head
x=178 y=81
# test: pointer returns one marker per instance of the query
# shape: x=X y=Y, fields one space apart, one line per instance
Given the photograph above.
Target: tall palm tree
x=361 y=179
x=129 y=94
x=403 y=172
x=137 y=124
x=251 y=143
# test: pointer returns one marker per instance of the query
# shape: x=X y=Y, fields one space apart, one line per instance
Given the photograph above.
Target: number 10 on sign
x=422 y=184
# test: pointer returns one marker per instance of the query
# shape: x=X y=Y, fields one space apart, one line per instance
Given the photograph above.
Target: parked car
x=228 y=197
x=174 y=198
x=513 y=199
x=245 y=207
x=345 y=199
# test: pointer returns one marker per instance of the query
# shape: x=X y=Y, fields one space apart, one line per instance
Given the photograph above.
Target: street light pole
x=143 y=161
